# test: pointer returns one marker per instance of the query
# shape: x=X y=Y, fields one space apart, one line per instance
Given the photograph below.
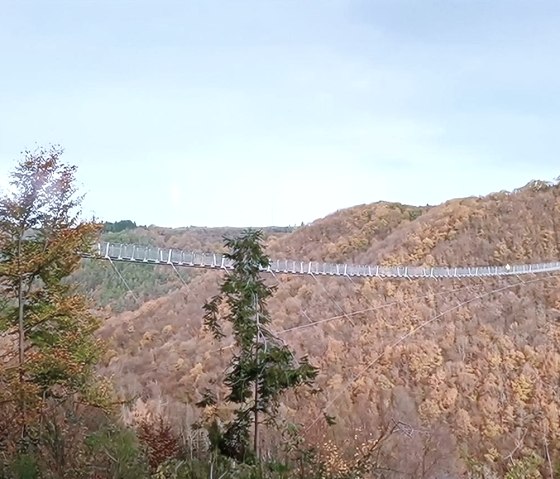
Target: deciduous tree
x=51 y=349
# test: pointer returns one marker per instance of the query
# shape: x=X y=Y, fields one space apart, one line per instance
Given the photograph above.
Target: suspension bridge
x=132 y=253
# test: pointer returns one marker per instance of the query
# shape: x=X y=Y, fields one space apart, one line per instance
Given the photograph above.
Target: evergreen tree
x=263 y=367
x=119 y=226
x=52 y=349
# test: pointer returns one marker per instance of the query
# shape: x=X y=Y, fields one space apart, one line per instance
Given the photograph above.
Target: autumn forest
x=118 y=371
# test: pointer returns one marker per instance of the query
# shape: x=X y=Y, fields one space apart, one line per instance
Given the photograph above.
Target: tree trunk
x=256 y=419
x=256 y=395
x=21 y=333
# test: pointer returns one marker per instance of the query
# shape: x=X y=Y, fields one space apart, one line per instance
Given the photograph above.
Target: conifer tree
x=263 y=367
x=52 y=349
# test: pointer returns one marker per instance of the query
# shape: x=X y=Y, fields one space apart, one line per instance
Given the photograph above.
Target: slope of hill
x=344 y=235
x=468 y=369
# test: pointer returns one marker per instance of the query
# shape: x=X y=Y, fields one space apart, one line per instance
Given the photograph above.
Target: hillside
x=468 y=369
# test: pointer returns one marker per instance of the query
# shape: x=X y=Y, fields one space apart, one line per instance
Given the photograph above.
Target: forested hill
x=470 y=367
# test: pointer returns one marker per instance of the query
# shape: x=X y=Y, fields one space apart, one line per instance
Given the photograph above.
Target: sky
x=265 y=112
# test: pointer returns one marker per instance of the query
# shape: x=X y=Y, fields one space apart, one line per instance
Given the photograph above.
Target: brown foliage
x=486 y=368
x=159 y=440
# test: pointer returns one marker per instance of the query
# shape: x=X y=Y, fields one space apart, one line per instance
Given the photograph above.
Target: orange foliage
x=487 y=369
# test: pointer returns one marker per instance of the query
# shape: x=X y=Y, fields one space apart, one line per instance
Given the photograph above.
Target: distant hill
x=468 y=379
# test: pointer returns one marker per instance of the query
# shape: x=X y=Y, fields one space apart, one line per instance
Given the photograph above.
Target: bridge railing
x=169 y=256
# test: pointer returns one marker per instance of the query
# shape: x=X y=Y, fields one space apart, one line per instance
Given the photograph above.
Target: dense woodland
x=416 y=379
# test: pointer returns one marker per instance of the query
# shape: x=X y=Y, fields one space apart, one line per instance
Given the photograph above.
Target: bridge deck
x=178 y=258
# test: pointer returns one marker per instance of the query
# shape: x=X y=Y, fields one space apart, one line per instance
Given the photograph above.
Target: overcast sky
x=276 y=112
